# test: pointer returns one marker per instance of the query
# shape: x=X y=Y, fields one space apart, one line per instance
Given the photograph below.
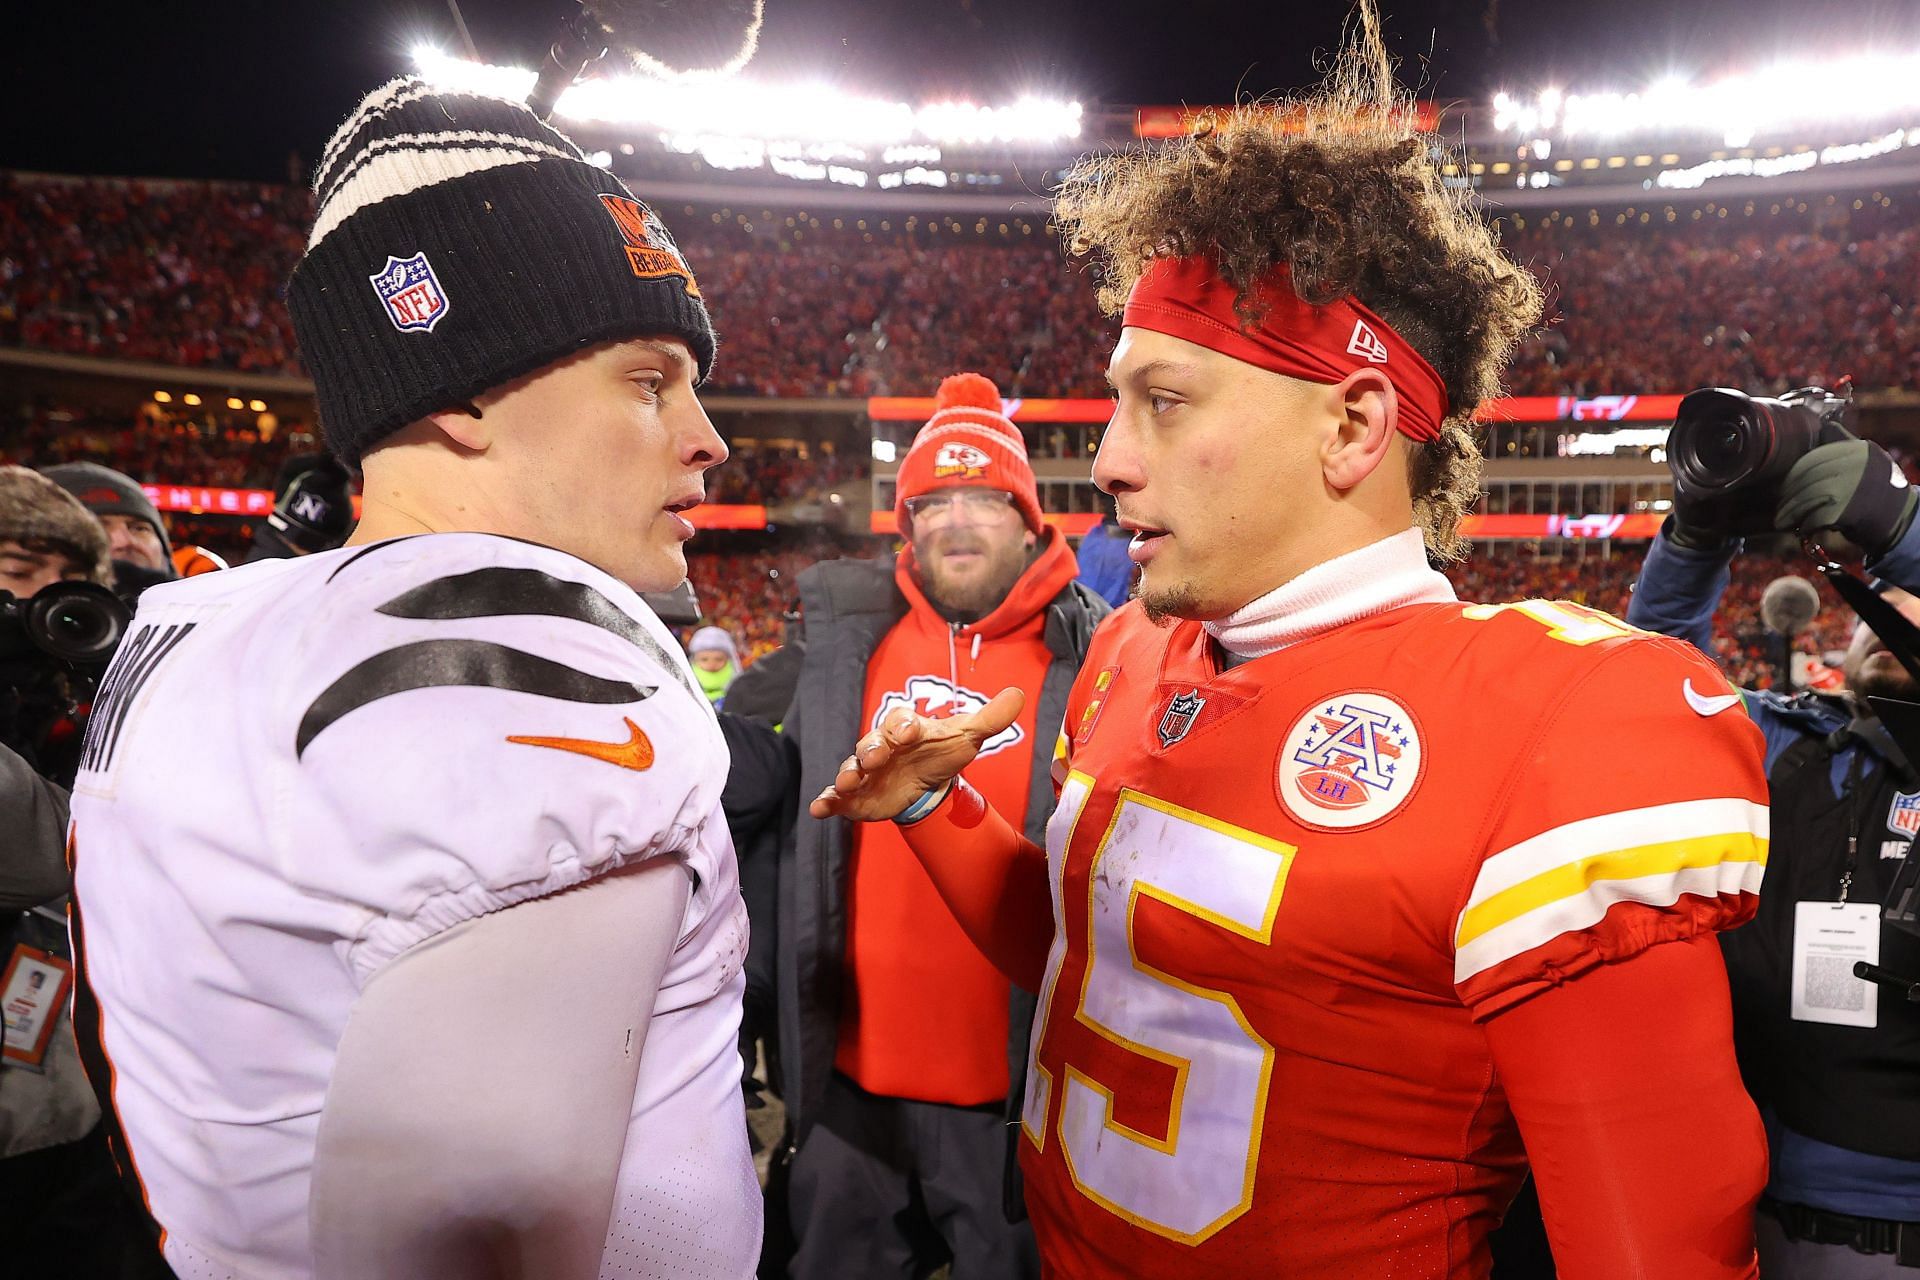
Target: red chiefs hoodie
x=924 y=1014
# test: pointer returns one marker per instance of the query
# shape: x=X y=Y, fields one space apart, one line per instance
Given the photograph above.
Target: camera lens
x=76 y=622
x=82 y=627
x=1720 y=447
x=1720 y=439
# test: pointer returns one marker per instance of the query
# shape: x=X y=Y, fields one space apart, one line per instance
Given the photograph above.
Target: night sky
x=240 y=88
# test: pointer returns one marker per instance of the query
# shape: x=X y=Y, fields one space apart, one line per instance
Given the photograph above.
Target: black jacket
x=848 y=605
x=759 y=804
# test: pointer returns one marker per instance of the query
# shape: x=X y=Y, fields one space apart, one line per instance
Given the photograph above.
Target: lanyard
x=1853 y=819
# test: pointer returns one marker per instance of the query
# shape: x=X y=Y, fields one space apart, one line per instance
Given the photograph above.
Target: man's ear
x=464 y=426
x=1368 y=413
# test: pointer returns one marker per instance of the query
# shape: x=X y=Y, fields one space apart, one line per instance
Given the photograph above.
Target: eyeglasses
x=978 y=504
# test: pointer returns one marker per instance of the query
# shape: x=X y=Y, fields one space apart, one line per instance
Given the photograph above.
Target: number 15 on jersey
x=1199 y=1177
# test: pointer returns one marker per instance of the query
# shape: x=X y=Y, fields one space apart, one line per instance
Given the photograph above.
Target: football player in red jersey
x=1359 y=900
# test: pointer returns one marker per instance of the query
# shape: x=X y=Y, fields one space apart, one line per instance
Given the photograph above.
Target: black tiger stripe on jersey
x=431 y=664
x=98 y=1066
x=500 y=592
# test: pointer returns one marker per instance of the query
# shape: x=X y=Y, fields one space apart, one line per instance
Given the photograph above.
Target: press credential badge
x=1828 y=938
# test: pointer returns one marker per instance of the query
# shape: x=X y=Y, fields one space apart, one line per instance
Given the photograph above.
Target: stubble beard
x=982 y=595
x=1169 y=605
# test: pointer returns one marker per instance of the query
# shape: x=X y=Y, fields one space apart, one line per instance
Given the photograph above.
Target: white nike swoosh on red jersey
x=1707 y=706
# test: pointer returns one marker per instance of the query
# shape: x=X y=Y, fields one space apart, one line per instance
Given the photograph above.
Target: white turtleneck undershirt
x=1381 y=576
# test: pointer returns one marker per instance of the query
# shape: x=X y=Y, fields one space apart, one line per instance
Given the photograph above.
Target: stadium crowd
x=1726 y=304
x=223 y=448
x=192 y=274
x=184 y=273
x=156 y=444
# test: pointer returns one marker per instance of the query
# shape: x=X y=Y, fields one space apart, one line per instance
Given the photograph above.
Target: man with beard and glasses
x=1359 y=900
x=1833 y=1071
x=900 y=1043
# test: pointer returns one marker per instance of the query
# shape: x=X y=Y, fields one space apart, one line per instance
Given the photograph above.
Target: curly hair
x=1341 y=188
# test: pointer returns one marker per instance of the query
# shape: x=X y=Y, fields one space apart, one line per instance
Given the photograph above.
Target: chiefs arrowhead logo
x=1366 y=343
x=957 y=461
x=937 y=699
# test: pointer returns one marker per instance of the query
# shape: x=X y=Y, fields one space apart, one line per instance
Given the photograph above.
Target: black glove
x=1699 y=524
x=1852 y=486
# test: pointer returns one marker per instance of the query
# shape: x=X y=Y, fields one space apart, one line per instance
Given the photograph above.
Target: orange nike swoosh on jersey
x=635 y=753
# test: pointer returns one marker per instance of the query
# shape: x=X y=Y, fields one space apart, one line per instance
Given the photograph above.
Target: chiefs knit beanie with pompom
x=968 y=442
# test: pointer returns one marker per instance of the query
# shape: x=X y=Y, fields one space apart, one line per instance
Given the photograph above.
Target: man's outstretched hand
x=908 y=756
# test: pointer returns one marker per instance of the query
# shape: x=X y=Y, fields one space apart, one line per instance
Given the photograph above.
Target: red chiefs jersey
x=1289 y=893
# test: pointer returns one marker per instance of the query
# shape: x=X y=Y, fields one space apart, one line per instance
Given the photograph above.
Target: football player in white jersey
x=408 y=925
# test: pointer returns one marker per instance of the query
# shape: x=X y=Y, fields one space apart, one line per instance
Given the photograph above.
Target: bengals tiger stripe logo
x=650 y=250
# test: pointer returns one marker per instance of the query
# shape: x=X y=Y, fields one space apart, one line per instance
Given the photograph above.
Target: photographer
x=1831 y=1061
x=61 y=1209
x=136 y=533
x=46 y=537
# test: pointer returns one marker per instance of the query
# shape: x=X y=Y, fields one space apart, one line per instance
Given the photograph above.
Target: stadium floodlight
x=805 y=113
x=1781 y=96
x=444 y=71
x=1794 y=162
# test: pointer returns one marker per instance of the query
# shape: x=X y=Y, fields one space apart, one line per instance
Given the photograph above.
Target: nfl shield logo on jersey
x=1349 y=762
x=411 y=293
x=1904 y=818
x=1179 y=717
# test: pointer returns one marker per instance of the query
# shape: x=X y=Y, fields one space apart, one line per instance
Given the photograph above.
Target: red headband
x=1187 y=298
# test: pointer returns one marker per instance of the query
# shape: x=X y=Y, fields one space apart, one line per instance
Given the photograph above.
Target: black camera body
x=1730 y=452
x=54 y=647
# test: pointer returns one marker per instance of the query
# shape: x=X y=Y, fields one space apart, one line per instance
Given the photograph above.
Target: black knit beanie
x=107 y=492
x=459 y=243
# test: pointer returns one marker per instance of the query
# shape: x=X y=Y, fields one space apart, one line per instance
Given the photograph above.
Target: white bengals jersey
x=299 y=769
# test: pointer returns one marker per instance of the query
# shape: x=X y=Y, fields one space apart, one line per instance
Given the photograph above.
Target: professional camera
x=54 y=647
x=1730 y=451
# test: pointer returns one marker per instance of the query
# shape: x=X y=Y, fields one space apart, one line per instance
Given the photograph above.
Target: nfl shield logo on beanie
x=411 y=292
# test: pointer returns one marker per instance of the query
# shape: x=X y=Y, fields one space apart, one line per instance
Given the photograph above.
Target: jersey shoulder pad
x=1635 y=813
x=478 y=721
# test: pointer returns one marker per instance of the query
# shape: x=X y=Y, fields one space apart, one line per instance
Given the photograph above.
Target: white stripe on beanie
x=409 y=162
x=393 y=94
x=936 y=431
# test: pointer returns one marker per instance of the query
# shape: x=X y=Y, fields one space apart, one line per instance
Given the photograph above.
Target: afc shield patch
x=1178 y=717
x=1350 y=761
x=411 y=293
